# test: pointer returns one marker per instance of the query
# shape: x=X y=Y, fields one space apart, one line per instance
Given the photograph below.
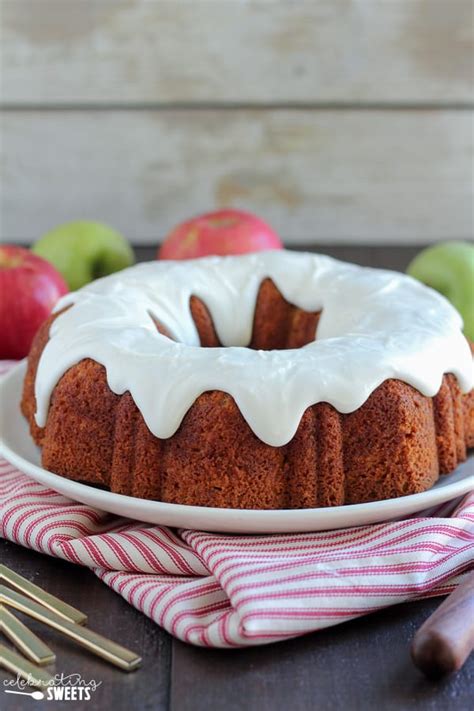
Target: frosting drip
x=374 y=325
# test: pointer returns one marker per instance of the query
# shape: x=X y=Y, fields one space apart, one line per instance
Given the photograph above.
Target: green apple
x=448 y=267
x=84 y=251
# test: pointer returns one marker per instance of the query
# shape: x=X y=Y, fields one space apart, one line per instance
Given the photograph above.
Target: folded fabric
x=230 y=591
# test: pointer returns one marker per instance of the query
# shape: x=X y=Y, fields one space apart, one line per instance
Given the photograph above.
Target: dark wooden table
x=360 y=665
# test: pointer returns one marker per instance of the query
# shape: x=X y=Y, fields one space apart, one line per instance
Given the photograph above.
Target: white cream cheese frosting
x=374 y=325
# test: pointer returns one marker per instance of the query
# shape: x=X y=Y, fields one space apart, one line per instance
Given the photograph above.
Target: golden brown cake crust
x=397 y=443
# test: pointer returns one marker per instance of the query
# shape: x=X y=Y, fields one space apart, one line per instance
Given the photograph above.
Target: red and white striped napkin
x=230 y=591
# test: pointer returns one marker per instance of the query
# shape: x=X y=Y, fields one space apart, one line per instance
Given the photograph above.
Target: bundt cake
x=270 y=380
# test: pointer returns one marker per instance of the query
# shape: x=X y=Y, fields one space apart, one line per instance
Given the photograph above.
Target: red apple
x=222 y=232
x=29 y=288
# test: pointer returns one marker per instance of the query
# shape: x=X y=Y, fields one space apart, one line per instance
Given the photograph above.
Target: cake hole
x=277 y=324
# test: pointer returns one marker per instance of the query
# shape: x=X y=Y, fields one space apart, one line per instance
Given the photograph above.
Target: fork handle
x=445 y=640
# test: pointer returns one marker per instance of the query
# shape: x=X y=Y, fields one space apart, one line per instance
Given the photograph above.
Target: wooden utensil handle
x=445 y=640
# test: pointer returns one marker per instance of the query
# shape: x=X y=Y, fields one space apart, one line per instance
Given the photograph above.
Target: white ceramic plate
x=17 y=446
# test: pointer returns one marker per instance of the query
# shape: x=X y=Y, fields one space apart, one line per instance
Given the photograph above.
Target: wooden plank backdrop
x=120 y=51
x=316 y=176
x=338 y=121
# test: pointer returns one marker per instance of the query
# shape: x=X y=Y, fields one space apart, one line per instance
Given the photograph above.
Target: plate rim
x=378 y=509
